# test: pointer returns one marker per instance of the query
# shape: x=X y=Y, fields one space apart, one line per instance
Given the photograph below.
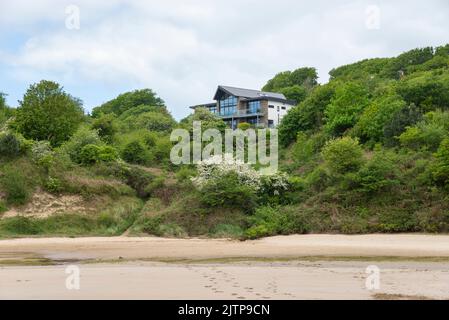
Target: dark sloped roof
x=248 y=93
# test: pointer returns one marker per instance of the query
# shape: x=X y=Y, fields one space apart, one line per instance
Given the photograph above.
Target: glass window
x=253 y=107
x=228 y=106
x=271 y=107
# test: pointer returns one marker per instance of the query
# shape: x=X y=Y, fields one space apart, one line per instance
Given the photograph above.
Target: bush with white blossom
x=216 y=167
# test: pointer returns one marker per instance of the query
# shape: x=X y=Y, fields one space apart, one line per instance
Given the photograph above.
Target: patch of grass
x=15 y=185
x=227 y=231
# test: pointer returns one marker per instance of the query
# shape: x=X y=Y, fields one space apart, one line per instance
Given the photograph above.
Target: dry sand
x=293 y=267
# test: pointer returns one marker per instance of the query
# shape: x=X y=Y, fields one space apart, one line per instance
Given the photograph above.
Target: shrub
x=185 y=174
x=378 y=174
x=139 y=180
x=274 y=188
x=343 y=155
x=40 y=152
x=91 y=154
x=428 y=133
x=83 y=137
x=318 y=179
x=9 y=145
x=135 y=152
x=214 y=168
x=377 y=115
x=269 y=221
x=53 y=185
x=14 y=184
x=440 y=171
x=228 y=192
x=244 y=126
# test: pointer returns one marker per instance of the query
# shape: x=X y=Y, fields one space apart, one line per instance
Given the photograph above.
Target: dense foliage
x=366 y=152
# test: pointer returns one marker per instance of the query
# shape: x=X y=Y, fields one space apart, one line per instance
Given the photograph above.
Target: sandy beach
x=291 y=267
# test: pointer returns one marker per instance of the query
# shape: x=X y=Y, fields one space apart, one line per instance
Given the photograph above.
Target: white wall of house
x=278 y=112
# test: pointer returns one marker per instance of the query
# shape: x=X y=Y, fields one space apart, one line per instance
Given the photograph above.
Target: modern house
x=237 y=105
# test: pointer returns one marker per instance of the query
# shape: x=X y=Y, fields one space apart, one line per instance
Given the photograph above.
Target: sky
x=184 y=49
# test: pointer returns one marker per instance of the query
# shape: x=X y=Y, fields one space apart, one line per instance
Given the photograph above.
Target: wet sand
x=293 y=267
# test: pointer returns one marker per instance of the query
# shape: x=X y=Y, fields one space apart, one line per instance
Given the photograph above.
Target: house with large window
x=258 y=108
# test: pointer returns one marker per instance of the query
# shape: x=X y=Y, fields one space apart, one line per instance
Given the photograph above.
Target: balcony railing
x=242 y=114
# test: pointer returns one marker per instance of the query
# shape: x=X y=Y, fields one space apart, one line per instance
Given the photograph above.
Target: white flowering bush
x=234 y=184
x=216 y=168
x=275 y=184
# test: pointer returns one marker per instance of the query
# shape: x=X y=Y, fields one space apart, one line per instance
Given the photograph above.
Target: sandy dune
x=272 y=268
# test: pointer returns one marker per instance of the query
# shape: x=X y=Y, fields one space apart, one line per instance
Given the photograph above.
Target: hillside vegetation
x=366 y=152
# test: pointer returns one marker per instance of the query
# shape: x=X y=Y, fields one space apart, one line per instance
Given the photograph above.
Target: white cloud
x=183 y=49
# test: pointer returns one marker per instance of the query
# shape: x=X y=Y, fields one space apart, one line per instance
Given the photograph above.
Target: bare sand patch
x=43 y=205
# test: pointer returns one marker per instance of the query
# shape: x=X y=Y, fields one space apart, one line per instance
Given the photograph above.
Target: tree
x=403 y=62
x=428 y=90
x=152 y=121
x=128 y=101
x=106 y=127
x=345 y=108
x=208 y=121
x=307 y=116
x=47 y=112
x=407 y=116
x=380 y=112
x=306 y=77
x=5 y=111
x=295 y=93
x=2 y=101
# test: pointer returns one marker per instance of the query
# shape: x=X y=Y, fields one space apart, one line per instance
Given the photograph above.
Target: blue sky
x=183 y=49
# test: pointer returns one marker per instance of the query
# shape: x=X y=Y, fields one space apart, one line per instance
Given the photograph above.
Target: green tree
x=106 y=127
x=296 y=93
x=403 y=62
x=345 y=108
x=128 y=101
x=47 y=112
x=407 y=116
x=377 y=115
x=306 y=77
x=307 y=115
x=208 y=120
x=2 y=101
x=428 y=90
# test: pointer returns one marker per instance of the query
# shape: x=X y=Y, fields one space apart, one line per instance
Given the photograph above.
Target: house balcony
x=242 y=114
